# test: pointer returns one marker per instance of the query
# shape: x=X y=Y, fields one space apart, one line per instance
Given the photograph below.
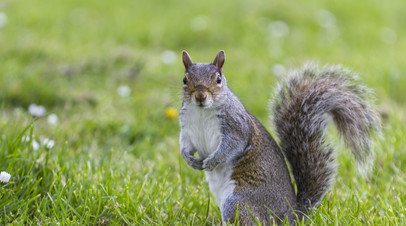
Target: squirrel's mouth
x=203 y=105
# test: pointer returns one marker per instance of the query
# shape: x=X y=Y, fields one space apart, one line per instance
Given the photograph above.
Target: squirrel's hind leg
x=238 y=211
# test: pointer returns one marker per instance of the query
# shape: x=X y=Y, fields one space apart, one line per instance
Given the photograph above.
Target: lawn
x=89 y=94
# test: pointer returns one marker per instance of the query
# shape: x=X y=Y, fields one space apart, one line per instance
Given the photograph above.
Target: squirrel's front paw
x=210 y=163
x=195 y=163
x=192 y=161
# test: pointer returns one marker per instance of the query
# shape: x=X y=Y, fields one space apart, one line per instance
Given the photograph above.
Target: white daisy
x=123 y=91
x=4 y=177
x=36 y=110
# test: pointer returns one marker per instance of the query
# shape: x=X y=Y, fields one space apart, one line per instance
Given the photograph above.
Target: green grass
x=116 y=159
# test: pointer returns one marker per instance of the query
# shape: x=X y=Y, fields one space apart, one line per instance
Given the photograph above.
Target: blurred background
x=102 y=79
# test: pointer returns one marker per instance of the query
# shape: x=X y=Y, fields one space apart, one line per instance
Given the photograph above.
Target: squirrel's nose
x=200 y=98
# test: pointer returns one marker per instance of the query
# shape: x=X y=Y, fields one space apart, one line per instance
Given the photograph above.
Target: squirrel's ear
x=187 y=60
x=219 y=60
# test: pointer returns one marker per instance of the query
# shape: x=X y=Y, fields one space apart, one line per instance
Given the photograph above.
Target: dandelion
x=36 y=110
x=3 y=19
x=278 y=70
x=278 y=29
x=388 y=36
x=35 y=145
x=395 y=73
x=168 y=57
x=25 y=138
x=48 y=143
x=199 y=23
x=52 y=119
x=4 y=177
x=171 y=113
x=123 y=91
x=326 y=19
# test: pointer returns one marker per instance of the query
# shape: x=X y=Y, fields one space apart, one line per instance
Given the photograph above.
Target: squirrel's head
x=203 y=83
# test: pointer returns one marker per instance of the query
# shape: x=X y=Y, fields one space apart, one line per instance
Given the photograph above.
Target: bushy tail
x=303 y=106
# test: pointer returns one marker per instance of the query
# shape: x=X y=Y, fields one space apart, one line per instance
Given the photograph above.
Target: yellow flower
x=171 y=113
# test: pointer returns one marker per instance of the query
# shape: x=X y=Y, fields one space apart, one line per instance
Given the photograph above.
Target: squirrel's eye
x=185 y=80
x=218 y=79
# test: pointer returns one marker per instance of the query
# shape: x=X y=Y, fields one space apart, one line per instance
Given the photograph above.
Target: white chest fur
x=202 y=128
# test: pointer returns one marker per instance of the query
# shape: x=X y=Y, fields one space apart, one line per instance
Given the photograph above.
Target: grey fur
x=262 y=180
x=299 y=115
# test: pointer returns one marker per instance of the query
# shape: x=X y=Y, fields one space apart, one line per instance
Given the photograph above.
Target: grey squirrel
x=245 y=167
